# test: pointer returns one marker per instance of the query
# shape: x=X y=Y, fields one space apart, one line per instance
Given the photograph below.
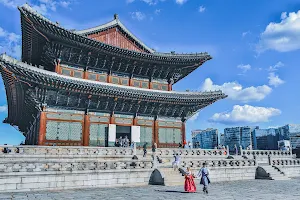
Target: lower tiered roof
x=29 y=87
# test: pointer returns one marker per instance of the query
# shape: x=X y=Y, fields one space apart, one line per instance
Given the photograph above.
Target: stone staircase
x=171 y=177
x=275 y=173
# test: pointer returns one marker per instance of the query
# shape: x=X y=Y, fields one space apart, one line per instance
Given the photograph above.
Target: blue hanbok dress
x=204 y=172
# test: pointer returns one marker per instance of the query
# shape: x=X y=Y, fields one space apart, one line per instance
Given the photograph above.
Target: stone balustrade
x=285 y=162
x=191 y=152
x=68 y=150
x=70 y=166
x=218 y=163
x=266 y=153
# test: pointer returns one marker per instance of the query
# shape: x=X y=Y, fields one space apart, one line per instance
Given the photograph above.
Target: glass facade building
x=205 y=139
x=239 y=136
x=266 y=139
x=290 y=132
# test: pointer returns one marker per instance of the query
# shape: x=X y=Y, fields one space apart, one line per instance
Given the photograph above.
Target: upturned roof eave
x=164 y=94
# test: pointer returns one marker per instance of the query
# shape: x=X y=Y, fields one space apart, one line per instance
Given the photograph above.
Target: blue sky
x=255 y=46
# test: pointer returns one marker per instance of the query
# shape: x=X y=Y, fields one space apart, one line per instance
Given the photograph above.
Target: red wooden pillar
x=42 y=131
x=86 y=130
x=169 y=87
x=112 y=119
x=134 y=121
x=183 y=132
x=156 y=132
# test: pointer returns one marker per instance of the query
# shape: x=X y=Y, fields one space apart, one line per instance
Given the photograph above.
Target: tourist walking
x=236 y=150
x=175 y=164
x=145 y=149
x=204 y=173
x=190 y=145
x=189 y=184
x=184 y=143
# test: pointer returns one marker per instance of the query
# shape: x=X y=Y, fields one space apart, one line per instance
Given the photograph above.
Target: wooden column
x=42 y=131
x=169 y=87
x=156 y=132
x=57 y=66
x=109 y=77
x=183 y=131
x=135 y=121
x=112 y=119
x=86 y=130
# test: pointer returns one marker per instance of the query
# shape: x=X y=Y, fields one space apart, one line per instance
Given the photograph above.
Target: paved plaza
x=254 y=189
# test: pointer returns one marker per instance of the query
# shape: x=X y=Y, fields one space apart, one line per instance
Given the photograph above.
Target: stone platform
x=246 y=190
x=36 y=168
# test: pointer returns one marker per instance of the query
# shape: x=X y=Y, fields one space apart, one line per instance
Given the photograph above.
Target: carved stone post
x=228 y=152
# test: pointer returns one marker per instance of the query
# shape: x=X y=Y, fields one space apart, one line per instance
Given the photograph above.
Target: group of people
x=185 y=145
x=189 y=184
x=122 y=142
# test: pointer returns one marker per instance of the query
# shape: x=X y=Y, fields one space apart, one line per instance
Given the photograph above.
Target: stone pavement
x=254 y=189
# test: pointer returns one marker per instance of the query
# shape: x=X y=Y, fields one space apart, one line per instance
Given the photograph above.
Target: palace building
x=89 y=87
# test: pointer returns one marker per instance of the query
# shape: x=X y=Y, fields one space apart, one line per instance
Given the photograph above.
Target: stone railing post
x=154 y=160
x=241 y=149
x=134 y=149
x=227 y=148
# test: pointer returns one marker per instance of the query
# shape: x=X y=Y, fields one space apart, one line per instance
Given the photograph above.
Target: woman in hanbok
x=189 y=184
x=204 y=173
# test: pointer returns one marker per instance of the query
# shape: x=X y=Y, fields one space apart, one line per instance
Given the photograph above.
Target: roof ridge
x=113 y=23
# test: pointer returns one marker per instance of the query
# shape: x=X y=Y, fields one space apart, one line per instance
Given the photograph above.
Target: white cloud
x=181 y=1
x=138 y=15
x=3 y=108
x=202 y=9
x=283 y=36
x=41 y=6
x=157 y=11
x=276 y=66
x=235 y=91
x=245 y=114
x=245 y=33
x=10 y=43
x=244 y=68
x=194 y=117
x=274 y=80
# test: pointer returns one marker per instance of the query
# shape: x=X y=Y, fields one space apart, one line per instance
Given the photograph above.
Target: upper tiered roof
x=44 y=41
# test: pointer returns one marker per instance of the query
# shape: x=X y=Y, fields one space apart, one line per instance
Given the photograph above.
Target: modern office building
x=239 y=136
x=290 y=132
x=266 y=139
x=206 y=139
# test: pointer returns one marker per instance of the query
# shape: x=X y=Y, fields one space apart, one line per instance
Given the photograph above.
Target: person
x=6 y=149
x=236 y=150
x=180 y=145
x=126 y=141
x=145 y=149
x=189 y=184
x=288 y=148
x=184 y=144
x=154 y=147
x=190 y=145
x=121 y=141
x=204 y=173
x=176 y=163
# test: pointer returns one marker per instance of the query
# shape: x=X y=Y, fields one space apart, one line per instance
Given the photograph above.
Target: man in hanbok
x=204 y=173
x=176 y=163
